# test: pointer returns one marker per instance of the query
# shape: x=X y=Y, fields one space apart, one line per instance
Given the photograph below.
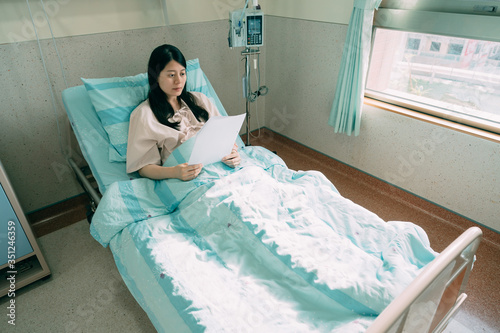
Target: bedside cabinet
x=21 y=261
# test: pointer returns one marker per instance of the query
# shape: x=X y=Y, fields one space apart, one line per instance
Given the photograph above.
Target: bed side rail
x=435 y=295
x=95 y=197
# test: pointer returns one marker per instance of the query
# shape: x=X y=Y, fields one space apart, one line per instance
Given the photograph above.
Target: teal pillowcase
x=114 y=99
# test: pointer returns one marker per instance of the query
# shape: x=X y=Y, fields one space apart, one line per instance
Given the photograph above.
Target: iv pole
x=247 y=53
x=238 y=37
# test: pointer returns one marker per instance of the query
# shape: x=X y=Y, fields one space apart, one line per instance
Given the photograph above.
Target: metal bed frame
x=442 y=282
x=82 y=177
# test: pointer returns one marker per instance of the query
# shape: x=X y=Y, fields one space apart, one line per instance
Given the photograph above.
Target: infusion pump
x=246 y=28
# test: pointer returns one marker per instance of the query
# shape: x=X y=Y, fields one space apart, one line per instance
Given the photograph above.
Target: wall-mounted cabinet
x=21 y=261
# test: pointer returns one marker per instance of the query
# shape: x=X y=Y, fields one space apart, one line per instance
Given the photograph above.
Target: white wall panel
x=75 y=17
x=338 y=11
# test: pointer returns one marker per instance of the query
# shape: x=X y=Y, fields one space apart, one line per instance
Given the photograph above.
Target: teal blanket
x=259 y=248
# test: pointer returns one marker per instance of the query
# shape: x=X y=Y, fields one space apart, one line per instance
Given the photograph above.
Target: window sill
x=434 y=120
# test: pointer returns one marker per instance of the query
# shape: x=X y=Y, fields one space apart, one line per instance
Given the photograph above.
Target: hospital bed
x=260 y=248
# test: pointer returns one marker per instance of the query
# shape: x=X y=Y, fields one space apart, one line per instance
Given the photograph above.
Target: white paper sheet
x=216 y=138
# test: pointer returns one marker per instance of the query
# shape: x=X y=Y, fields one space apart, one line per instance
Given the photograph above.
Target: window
x=452 y=78
x=413 y=44
x=435 y=46
x=495 y=53
x=455 y=48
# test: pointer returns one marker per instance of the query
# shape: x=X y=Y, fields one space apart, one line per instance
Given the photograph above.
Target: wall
x=454 y=170
x=314 y=10
x=74 y=17
x=29 y=138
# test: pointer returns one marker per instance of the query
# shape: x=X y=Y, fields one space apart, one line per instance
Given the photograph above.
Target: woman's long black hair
x=160 y=106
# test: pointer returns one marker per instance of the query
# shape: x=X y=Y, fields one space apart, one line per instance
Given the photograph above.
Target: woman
x=170 y=116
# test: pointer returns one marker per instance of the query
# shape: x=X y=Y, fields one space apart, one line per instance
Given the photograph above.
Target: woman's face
x=172 y=79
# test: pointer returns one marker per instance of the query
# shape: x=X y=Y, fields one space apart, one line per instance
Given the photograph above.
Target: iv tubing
x=55 y=44
x=48 y=80
x=242 y=13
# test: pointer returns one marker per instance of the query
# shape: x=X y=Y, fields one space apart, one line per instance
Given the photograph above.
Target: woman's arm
x=182 y=171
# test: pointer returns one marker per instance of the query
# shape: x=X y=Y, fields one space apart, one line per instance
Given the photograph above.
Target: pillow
x=115 y=98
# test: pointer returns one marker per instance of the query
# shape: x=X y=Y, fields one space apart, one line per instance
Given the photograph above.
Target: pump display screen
x=254 y=28
x=254 y=24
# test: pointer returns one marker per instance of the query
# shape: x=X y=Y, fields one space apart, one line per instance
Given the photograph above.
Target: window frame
x=417 y=21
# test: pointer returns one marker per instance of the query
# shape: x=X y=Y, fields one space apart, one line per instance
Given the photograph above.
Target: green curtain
x=345 y=115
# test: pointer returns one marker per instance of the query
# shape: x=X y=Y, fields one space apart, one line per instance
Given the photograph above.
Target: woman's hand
x=187 y=172
x=232 y=160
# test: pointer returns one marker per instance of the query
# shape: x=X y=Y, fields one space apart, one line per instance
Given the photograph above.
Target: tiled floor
x=481 y=310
